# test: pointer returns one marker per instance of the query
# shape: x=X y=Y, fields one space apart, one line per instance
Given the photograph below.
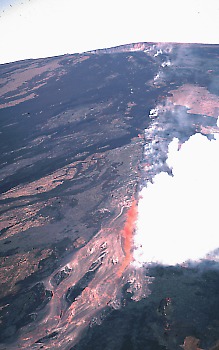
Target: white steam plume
x=178 y=215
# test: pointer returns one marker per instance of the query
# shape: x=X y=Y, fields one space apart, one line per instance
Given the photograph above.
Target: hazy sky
x=40 y=28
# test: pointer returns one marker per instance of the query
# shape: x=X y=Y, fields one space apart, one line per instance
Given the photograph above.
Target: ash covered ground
x=80 y=136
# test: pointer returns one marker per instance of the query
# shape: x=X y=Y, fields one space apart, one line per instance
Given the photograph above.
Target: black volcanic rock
x=189 y=308
x=21 y=309
x=73 y=132
x=61 y=275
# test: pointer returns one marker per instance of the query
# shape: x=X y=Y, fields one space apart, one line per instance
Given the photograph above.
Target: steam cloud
x=178 y=214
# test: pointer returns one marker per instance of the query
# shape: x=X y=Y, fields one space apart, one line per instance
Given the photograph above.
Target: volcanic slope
x=73 y=132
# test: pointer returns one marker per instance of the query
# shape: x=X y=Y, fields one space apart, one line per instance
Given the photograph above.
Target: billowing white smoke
x=178 y=215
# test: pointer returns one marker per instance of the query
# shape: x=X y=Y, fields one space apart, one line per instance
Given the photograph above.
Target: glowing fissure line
x=127 y=235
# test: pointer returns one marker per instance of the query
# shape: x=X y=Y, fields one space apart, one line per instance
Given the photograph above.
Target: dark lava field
x=73 y=131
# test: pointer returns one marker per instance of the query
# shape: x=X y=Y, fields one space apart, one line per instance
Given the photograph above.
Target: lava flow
x=127 y=235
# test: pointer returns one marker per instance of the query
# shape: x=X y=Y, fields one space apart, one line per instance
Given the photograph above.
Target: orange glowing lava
x=127 y=235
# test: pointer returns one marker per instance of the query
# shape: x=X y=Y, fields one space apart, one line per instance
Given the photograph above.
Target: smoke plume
x=178 y=213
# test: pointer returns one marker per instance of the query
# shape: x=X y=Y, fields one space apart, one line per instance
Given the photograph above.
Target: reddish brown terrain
x=73 y=132
x=197 y=99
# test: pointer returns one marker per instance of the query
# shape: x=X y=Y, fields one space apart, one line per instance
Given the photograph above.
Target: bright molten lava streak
x=127 y=235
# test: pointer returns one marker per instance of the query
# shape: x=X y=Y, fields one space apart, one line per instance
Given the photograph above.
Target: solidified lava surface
x=73 y=131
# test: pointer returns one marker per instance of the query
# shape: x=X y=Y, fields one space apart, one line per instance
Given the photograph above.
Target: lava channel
x=127 y=236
